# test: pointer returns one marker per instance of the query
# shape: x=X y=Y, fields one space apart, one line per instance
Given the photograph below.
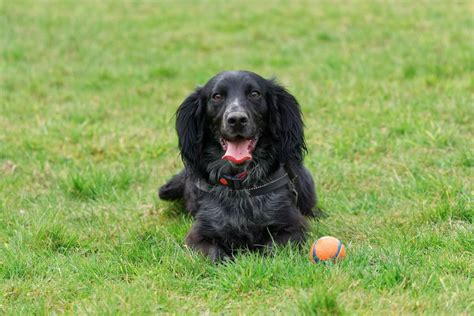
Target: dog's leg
x=292 y=234
x=283 y=238
x=211 y=249
x=174 y=188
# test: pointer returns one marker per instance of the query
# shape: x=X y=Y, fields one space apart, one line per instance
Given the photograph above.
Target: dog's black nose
x=237 y=119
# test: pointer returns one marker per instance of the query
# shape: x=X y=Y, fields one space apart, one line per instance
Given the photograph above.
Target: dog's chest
x=242 y=215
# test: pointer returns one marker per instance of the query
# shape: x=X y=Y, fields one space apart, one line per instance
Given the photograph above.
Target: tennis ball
x=327 y=248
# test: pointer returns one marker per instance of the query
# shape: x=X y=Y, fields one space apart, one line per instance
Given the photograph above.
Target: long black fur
x=227 y=220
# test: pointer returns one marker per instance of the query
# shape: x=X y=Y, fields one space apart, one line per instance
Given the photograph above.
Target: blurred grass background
x=88 y=95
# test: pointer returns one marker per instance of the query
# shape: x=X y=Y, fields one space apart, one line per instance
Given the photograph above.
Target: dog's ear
x=190 y=128
x=286 y=123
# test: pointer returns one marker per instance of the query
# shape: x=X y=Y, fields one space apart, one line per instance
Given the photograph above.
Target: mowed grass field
x=88 y=95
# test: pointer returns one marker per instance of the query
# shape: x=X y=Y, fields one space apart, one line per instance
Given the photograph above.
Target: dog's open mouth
x=238 y=150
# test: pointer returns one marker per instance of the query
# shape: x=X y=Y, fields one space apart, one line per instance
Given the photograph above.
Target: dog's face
x=236 y=110
x=240 y=112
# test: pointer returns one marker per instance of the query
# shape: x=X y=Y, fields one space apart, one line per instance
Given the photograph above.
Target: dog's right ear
x=190 y=128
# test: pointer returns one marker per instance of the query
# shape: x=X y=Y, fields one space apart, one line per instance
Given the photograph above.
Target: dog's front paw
x=218 y=254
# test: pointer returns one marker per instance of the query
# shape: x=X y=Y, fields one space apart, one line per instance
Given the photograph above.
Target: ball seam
x=339 y=247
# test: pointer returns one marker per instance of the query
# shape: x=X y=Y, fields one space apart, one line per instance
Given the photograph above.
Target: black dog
x=242 y=143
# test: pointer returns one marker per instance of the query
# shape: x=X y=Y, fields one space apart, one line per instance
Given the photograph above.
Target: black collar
x=280 y=178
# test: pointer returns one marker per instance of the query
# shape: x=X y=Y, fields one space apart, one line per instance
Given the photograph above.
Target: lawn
x=88 y=95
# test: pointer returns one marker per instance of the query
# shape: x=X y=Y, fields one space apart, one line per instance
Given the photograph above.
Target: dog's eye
x=254 y=95
x=217 y=97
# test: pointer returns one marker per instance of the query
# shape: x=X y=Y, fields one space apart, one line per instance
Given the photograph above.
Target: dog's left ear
x=286 y=123
x=190 y=128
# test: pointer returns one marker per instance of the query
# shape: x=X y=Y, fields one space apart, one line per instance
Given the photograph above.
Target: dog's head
x=242 y=116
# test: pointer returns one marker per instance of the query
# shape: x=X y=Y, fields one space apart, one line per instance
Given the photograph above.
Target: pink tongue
x=238 y=151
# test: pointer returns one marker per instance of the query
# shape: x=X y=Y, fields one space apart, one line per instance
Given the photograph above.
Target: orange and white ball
x=327 y=248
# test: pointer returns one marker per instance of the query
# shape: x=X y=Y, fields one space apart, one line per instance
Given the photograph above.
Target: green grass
x=88 y=94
